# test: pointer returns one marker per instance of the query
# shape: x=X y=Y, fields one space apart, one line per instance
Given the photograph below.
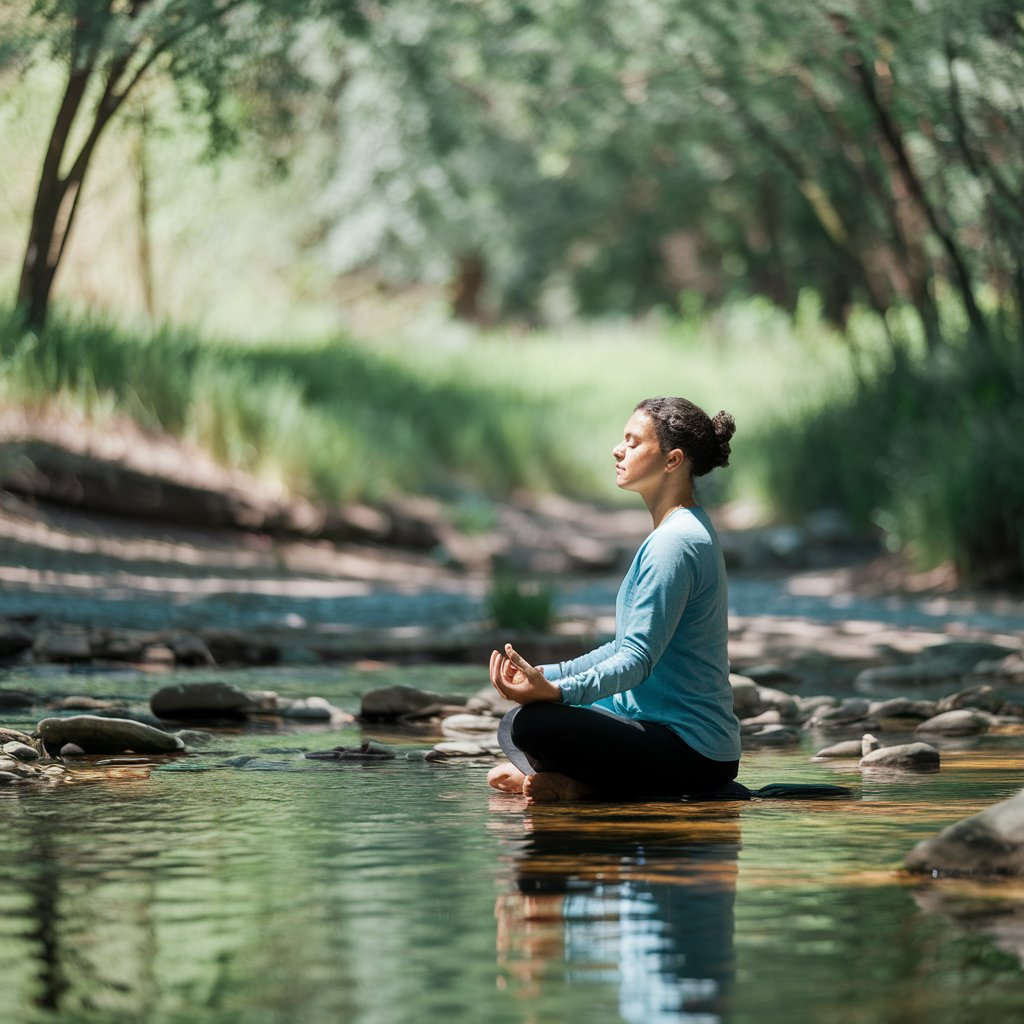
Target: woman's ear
x=674 y=459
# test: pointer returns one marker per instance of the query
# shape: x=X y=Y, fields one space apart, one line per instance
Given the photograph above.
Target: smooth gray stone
x=965 y=722
x=982 y=697
x=915 y=756
x=187 y=700
x=20 y=751
x=396 y=701
x=848 y=748
x=97 y=735
x=988 y=843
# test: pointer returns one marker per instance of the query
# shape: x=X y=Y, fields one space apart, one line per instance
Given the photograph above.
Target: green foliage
x=517 y=603
x=928 y=449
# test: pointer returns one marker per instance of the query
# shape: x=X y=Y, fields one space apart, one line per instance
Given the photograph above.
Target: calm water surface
x=404 y=891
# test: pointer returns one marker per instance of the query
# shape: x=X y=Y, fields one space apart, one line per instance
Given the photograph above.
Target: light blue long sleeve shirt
x=669 y=660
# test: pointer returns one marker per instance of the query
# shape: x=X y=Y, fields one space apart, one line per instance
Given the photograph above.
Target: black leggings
x=619 y=757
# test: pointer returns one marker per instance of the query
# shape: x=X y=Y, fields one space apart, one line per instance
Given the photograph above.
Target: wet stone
x=20 y=751
x=911 y=756
x=97 y=735
x=965 y=722
x=390 y=702
x=983 y=697
x=988 y=843
x=847 y=748
x=450 y=749
x=193 y=700
x=746 y=699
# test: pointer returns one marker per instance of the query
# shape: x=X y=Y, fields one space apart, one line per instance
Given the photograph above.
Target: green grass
x=926 y=450
x=453 y=415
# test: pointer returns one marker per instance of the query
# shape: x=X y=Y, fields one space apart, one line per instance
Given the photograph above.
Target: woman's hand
x=516 y=679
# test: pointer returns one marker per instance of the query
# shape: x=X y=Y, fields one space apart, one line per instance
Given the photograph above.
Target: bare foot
x=506 y=777
x=553 y=787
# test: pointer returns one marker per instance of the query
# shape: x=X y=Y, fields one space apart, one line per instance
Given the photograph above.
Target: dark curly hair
x=678 y=423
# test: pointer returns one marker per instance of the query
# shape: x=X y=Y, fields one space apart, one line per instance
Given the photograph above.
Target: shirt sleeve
x=569 y=668
x=663 y=585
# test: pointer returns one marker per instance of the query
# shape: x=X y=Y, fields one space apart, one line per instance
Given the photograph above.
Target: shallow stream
x=294 y=890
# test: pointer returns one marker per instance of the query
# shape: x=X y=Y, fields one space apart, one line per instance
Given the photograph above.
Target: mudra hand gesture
x=516 y=679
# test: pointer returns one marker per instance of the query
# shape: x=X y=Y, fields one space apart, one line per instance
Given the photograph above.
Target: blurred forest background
x=365 y=247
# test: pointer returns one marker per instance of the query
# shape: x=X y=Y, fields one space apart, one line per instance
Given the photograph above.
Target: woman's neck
x=661 y=509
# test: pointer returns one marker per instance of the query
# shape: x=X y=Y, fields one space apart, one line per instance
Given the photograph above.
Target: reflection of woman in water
x=649 y=714
x=645 y=905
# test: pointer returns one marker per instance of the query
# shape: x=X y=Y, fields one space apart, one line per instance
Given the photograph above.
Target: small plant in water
x=517 y=603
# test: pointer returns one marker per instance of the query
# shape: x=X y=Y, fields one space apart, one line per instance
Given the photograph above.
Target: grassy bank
x=452 y=413
x=925 y=449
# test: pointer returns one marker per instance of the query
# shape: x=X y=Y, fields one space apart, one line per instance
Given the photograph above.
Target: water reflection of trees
x=638 y=897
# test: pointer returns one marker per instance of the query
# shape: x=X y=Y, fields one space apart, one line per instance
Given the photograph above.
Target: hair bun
x=724 y=427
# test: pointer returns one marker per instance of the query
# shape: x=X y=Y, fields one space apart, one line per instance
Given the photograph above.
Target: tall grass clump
x=926 y=447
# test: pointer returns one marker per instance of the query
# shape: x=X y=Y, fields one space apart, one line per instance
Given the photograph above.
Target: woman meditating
x=649 y=714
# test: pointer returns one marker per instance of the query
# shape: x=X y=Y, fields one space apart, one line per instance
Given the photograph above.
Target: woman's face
x=639 y=461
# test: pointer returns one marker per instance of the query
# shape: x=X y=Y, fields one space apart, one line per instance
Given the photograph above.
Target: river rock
x=847 y=748
x=901 y=712
x=982 y=697
x=368 y=750
x=849 y=711
x=487 y=701
x=746 y=700
x=390 y=702
x=190 y=649
x=809 y=706
x=96 y=735
x=309 y=709
x=911 y=756
x=53 y=646
x=20 y=751
x=784 y=703
x=14 y=700
x=988 y=843
x=13 y=639
x=1002 y=670
x=456 y=748
x=7 y=778
x=771 y=674
x=473 y=725
x=75 y=702
x=107 y=645
x=757 y=722
x=234 y=647
x=965 y=722
x=868 y=743
x=71 y=750
x=774 y=736
x=190 y=700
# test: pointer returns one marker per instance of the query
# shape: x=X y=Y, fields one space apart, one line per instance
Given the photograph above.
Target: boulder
x=96 y=735
x=965 y=722
x=988 y=843
x=910 y=756
x=390 y=702
x=192 y=700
